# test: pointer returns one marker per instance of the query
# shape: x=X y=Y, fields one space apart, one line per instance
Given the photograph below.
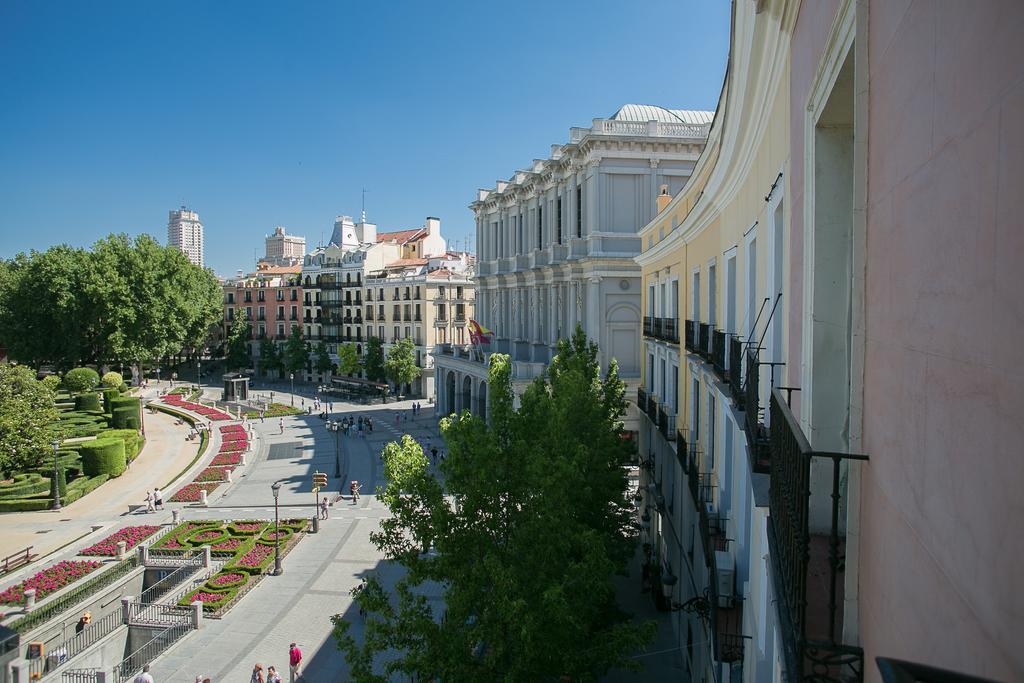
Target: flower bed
x=207 y=536
x=231 y=544
x=247 y=528
x=231 y=429
x=255 y=560
x=212 y=474
x=49 y=580
x=234 y=436
x=205 y=411
x=233 y=446
x=283 y=533
x=227 y=459
x=212 y=600
x=131 y=535
x=173 y=539
x=227 y=580
x=190 y=492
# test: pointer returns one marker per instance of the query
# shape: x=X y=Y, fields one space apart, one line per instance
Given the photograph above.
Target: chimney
x=663 y=198
x=433 y=226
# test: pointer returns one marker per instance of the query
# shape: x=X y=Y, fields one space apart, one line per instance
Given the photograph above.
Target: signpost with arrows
x=319 y=482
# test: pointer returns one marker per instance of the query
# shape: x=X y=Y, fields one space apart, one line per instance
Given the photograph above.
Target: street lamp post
x=276 y=488
x=56 y=477
x=199 y=372
x=158 y=375
x=335 y=427
x=291 y=376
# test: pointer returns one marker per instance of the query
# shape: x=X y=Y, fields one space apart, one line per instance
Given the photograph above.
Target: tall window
x=558 y=220
x=540 y=227
x=712 y=298
x=751 y=289
x=519 y=234
x=696 y=296
x=579 y=211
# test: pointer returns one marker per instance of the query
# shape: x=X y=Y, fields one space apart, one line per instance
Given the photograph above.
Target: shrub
x=212 y=600
x=25 y=505
x=269 y=536
x=81 y=379
x=227 y=580
x=82 y=486
x=254 y=561
x=133 y=441
x=87 y=401
x=112 y=380
x=103 y=456
x=108 y=397
x=246 y=528
x=123 y=388
x=24 y=485
x=125 y=417
x=51 y=382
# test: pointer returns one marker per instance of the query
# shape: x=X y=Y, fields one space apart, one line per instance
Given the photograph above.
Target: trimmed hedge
x=125 y=417
x=81 y=379
x=125 y=401
x=87 y=401
x=83 y=485
x=103 y=456
x=109 y=395
x=25 y=505
x=112 y=379
x=25 y=484
x=133 y=441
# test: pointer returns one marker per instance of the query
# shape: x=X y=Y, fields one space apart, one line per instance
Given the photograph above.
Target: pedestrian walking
x=294 y=662
x=302 y=403
x=280 y=423
x=396 y=418
x=158 y=499
x=257 y=674
x=144 y=677
x=369 y=421
x=150 y=502
x=323 y=508
x=272 y=675
x=354 y=489
x=433 y=454
x=262 y=416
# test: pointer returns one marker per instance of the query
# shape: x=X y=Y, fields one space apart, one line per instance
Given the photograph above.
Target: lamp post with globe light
x=276 y=488
x=56 y=477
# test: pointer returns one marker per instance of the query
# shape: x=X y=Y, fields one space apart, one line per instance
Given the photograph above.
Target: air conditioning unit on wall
x=726 y=566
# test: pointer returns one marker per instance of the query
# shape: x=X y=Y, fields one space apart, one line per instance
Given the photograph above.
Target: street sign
x=319 y=481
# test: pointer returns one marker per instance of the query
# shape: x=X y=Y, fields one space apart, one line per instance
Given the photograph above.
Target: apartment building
x=271 y=300
x=825 y=469
x=185 y=233
x=556 y=244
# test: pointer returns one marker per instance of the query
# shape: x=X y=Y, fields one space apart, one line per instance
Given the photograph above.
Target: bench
x=18 y=559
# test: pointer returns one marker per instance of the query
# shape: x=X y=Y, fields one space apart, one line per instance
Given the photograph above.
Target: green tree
x=322 y=361
x=525 y=537
x=400 y=366
x=28 y=419
x=81 y=379
x=270 y=359
x=112 y=380
x=348 y=359
x=374 y=361
x=237 y=344
x=296 y=355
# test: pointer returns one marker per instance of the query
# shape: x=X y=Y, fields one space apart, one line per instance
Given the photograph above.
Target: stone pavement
x=165 y=454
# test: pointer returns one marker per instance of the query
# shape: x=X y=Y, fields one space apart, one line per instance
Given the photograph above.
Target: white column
x=652 y=200
x=553 y=292
x=593 y=322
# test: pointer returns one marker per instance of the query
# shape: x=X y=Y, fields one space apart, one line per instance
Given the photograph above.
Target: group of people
x=154 y=500
x=294 y=669
x=351 y=426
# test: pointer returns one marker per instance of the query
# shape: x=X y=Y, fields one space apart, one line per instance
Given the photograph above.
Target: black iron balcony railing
x=369 y=315
x=898 y=671
x=704 y=340
x=670 y=330
x=293 y=316
x=652 y=408
x=649 y=326
x=809 y=541
x=460 y=318
x=681 y=449
x=736 y=370
x=417 y=318
x=330 y=285
x=641 y=399
x=663 y=421
x=357 y=320
x=718 y=352
x=307 y=318
x=757 y=435
x=690 y=331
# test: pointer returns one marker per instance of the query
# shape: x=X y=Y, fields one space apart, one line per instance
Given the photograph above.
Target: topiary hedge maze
x=248 y=543
x=103 y=456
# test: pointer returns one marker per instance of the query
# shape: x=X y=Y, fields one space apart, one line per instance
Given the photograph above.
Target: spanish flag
x=478 y=334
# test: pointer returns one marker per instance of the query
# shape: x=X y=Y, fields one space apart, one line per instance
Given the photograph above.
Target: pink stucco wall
x=942 y=515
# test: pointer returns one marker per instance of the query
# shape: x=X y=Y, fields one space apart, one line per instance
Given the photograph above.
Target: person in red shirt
x=294 y=661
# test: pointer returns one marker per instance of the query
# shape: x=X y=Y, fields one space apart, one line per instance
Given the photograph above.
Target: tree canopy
x=28 y=419
x=236 y=354
x=295 y=355
x=374 y=361
x=322 y=359
x=523 y=538
x=271 y=359
x=400 y=366
x=348 y=359
x=128 y=299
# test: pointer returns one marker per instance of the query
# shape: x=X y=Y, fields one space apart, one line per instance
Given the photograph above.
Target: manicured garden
x=131 y=535
x=49 y=580
x=274 y=410
x=234 y=441
x=248 y=545
x=98 y=427
x=210 y=413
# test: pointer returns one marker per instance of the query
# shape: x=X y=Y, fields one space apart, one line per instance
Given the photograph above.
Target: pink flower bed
x=256 y=556
x=234 y=436
x=208 y=535
x=274 y=535
x=49 y=580
x=207 y=597
x=190 y=492
x=230 y=544
x=131 y=535
x=212 y=474
x=231 y=429
x=227 y=459
x=211 y=413
x=233 y=447
x=227 y=579
x=248 y=526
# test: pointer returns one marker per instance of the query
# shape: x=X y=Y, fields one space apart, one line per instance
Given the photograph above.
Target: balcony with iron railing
x=641 y=399
x=649 y=327
x=704 y=340
x=690 y=335
x=807 y=540
x=669 y=331
x=718 y=354
x=652 y=408
x=736 y=370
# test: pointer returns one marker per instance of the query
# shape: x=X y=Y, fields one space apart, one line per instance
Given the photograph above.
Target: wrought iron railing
x=690 y=333
x=158 y=614
x=736 y=370
x=757 y=435
x=718 y=355
x=663 y=421
x=641 y=399
x=670 y=330
x=898 y=671
x=704 y=340
x=79 y=676
x=167 y=584
x=652 y=408
x=648 y=326
x=134 y=662
x=794 y=550
x=77 y=644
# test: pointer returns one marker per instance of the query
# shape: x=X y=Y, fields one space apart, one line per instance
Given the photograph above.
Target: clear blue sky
x=278 y=113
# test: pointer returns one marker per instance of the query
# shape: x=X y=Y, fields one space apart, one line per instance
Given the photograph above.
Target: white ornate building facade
x=556 y=244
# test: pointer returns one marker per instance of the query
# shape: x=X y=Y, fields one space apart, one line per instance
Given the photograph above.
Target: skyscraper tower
x=185 y=232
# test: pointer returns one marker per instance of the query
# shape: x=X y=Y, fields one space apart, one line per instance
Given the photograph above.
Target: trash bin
x=316 y=524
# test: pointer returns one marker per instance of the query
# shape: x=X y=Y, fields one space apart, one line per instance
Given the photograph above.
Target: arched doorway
x=481 y=401
x=449 y=402
x=467 y=394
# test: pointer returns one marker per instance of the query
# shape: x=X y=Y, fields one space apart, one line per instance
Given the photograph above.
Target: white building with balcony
x=556 y=244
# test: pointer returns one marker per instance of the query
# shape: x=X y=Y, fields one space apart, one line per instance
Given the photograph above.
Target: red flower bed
x=190 y=493
x=227 y=579
x=211 y=413
x=248 y=526
x=233 y=447
x=49 y=580
x=230 y=544
x=132 y=535
x=230 y=429
x=234 y=436
x=204 y=536
x=227 y=459
x=207 y=597
x=255 y=557
x=212 y=474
